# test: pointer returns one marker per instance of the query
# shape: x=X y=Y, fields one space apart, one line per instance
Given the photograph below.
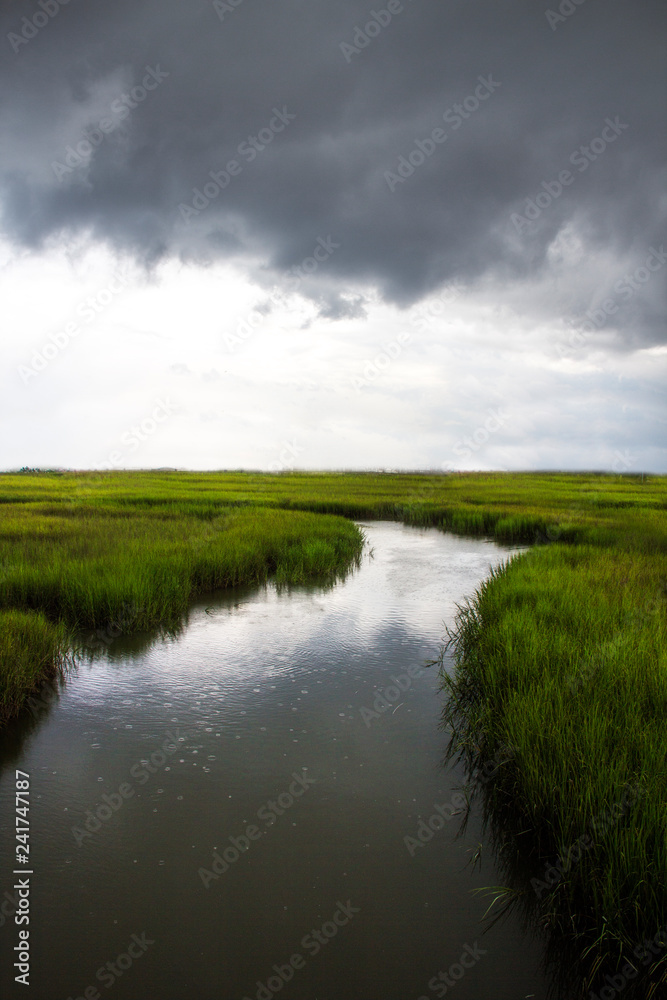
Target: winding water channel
x=227 y=810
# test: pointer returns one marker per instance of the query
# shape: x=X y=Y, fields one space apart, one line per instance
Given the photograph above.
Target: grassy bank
x=86 y=567
x=31 y=649
x=562 y=675
x=103 y=569
x=561 y=658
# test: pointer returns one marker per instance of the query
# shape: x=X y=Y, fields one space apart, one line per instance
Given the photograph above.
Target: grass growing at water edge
x=31 y=649
x=88 y=567
x=67 y=570
x=562 y=656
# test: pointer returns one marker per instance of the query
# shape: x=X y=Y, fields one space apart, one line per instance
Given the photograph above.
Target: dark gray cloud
x=341 y=168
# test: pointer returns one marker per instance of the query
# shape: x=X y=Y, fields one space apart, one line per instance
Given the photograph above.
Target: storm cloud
x=410 y=233
x=326 y=114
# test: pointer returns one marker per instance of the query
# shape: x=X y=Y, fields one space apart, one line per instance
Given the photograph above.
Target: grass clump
x=562 y=657
x=31 y=649
x=88 y=569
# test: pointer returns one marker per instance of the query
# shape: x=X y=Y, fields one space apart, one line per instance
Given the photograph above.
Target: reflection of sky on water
x=259 y=685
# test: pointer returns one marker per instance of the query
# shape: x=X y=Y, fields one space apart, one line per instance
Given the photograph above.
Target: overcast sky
x=278 y=233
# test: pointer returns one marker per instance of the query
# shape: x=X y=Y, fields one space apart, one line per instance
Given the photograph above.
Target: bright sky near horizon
x=273 y=235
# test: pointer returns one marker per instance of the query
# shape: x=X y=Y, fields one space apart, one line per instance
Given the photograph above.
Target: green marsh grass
x=561 y=655
x=87 y=567
x=67 y=569
x=31 y=649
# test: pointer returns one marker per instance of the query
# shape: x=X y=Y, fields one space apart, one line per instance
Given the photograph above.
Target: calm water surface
x=261 y=802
